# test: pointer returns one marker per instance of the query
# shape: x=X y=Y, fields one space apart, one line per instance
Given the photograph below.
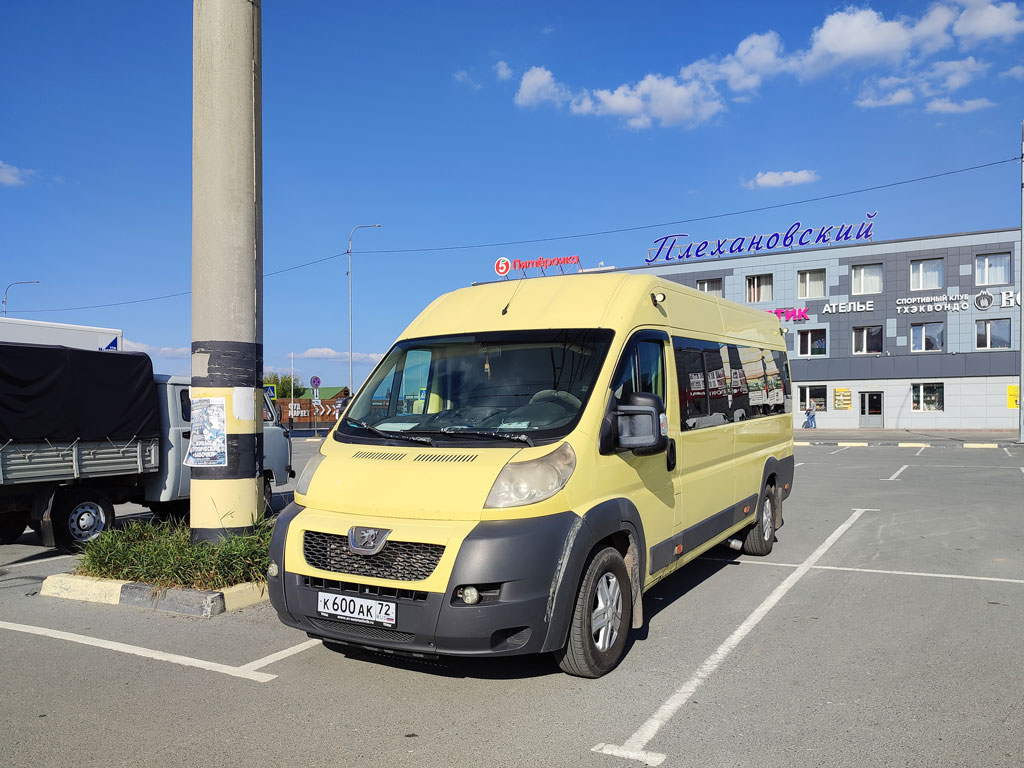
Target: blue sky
x=467 y=123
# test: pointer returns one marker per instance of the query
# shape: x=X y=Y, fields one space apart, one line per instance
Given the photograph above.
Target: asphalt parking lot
x=884 y=629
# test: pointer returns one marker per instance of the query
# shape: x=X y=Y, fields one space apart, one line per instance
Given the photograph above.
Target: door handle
x=186 y=435
x=670 y=455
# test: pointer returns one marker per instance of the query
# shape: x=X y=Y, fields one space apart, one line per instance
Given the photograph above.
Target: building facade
x=921 y=333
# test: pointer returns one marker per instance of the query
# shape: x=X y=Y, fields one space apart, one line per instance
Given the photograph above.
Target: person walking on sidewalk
x=810 y=413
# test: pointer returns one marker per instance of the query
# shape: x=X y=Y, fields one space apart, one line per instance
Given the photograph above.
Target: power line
x=599 y=233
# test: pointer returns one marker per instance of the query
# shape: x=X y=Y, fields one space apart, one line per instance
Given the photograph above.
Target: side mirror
x=642 y=425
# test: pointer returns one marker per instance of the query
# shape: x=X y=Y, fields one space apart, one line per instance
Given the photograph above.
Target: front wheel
x=761 y=536
x=601 y=618
x=81 y=516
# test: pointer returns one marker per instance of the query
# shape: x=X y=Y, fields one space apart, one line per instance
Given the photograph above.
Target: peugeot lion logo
x=983 y=300
x=367 y=541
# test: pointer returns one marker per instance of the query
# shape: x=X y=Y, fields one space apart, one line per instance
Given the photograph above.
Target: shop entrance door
x=871 y=409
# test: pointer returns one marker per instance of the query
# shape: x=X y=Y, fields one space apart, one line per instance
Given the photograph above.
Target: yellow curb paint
x=853 y=445
x=243 y=595
x=981 y=445
x=913 y=445
x=87 y=588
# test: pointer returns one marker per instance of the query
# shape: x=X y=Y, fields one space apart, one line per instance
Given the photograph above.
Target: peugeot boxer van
x=528 y=459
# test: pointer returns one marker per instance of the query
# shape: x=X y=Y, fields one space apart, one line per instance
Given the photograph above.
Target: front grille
x=397 y=560
x=364 y=590
x=361 y=630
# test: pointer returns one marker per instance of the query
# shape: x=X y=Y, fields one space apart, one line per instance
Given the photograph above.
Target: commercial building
x=922 y=333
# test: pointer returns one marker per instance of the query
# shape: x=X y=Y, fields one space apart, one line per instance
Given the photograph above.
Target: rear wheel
x=601 y=618
x=268 y=496
x=81 y=516
x=761 y=536
x=12 y=525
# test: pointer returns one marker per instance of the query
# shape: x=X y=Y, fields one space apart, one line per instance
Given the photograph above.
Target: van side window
x=693 y=391
x=718 y=392
x=643 y=371
x=186 y=406
x=782 y=365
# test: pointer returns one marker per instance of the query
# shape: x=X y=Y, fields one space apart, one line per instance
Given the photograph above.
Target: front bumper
x=514 y=563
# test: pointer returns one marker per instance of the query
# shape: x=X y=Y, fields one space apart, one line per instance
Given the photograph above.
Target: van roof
x=612 y=300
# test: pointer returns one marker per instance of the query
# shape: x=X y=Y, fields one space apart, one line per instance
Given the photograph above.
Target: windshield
x=505 y=384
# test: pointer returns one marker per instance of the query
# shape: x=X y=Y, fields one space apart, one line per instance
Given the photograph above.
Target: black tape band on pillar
x=245 y=460
x=230 y=364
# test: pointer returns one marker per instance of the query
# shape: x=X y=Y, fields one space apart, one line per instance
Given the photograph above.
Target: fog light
x=272 y=570
x=470 y=595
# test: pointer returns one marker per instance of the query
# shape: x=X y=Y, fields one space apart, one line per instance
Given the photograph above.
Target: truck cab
x=168 y=489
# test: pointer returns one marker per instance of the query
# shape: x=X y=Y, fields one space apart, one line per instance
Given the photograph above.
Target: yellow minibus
x=528 y=459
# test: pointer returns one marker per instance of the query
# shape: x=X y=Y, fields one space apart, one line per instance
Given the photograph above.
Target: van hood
x=414 y=482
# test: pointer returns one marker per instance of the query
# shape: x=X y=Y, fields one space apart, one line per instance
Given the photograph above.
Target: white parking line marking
x=36 y=562
x=1008 y=452
x=633 y=748
x=840 y=450
x=798 y=464
x=252 y=666
x=134 y=650
x=958 y=576
x=897 y=473
x=920 y=450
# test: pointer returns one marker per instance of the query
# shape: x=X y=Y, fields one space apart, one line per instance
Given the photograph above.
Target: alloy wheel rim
x=767 y=516
x=607 y=612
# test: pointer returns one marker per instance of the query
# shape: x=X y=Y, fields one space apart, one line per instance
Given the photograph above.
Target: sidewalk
x=932 y=438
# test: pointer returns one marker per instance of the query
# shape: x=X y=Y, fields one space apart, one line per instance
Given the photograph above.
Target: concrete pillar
x=227 y=266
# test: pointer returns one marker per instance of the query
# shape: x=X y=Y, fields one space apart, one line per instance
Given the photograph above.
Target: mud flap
x=42 y=507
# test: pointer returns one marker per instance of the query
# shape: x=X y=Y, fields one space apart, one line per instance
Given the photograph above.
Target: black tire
x=761 y=535
x=80 y=516
x=12 y=525
x=268 y=496
x=583 y=655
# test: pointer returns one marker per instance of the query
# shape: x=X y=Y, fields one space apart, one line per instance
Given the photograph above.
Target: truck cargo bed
x=58 y=462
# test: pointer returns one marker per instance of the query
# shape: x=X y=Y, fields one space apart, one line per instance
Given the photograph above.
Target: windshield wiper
x=515 y=437
x=388 y=435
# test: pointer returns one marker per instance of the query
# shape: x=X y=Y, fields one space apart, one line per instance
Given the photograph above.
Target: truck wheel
x=761 y=535
x=268 y=496
x=601 y=619
x=12 y=525
x=81 y=516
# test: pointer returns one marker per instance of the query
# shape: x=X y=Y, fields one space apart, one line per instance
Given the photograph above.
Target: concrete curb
x=895 y=444
x=189 y=602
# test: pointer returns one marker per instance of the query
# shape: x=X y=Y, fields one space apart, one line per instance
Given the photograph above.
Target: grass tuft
x=162 y=554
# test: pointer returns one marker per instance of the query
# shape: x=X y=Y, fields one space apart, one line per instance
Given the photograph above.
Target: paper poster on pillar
x=208 y=445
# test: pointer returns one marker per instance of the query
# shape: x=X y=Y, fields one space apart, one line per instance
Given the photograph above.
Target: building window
x=926 y=337
x=927 y=397
x=925 y=274
x=812 y=342
x=867 y=340
x=992 y=269
x=759 y=288
x=816 y=392
x=867 y=278
x=992 y=334
x=713 y=286
x=811 y=284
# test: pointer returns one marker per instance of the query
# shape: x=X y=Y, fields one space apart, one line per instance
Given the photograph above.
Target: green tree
x=284 y=387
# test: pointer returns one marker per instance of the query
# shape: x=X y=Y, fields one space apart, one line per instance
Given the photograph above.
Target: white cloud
x=952 y=107
x=503 y=70
x=10 y=176
x=957 y=74
x=1017 y=73
x=547 y=30
x=149 y=349
x=774 y=179
x=655 y=98
x=855 y=35
x=981 y=20
x=537 y=86
x=756 y=58
x=462 y=76
x=870 y=99
x=326 y=353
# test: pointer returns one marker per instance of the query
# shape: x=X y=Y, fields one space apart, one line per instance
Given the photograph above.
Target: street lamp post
x=349 y=252
x=18 y=282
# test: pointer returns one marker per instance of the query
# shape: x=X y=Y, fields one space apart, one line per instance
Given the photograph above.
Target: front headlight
x=527 y=482
x=307 y=473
